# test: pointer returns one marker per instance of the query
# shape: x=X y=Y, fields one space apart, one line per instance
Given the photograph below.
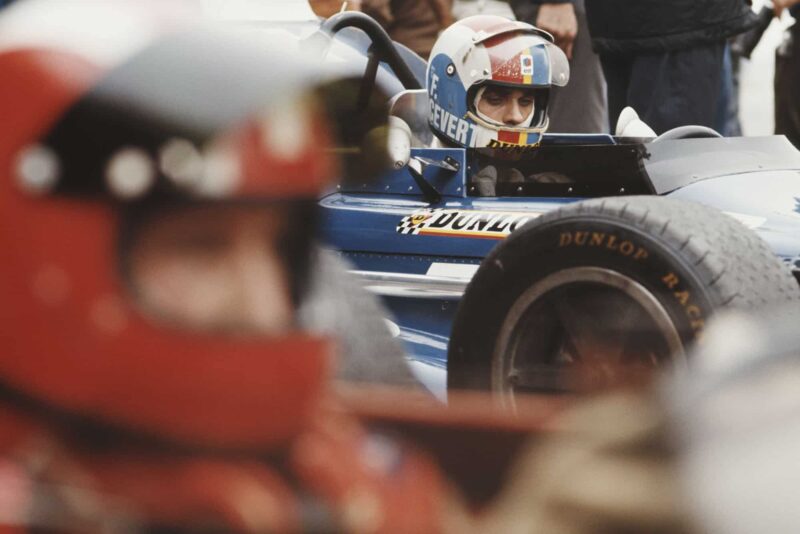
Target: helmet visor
x=527 y=60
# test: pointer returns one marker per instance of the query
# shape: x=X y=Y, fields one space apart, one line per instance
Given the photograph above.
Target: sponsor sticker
x=526 y=64
x=463 y=223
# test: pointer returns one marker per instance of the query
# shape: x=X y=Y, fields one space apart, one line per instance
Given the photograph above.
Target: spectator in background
x=414 y=23
x=726 y=120
x=787 y=76
x=665 y=58
x=581 y=105
x=328 y=8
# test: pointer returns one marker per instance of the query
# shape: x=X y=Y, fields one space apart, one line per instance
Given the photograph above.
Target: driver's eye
x=526 y=102
x=495 y=99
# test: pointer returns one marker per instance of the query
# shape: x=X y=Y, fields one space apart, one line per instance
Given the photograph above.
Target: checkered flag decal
x=412 y=224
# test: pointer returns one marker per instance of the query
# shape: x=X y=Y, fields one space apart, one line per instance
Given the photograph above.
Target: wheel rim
x=579 y=316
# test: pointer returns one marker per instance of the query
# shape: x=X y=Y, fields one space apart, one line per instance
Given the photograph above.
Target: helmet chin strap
x=526 y=122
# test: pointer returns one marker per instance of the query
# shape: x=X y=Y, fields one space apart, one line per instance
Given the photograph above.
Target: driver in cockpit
x=488 y=84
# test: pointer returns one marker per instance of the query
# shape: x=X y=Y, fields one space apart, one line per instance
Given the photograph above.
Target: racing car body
x=424 y=238
x=420 y=253
x=418 y=235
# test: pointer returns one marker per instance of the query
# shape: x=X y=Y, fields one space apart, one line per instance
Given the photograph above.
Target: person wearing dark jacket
x=787 y=76
x=414 y=23
x=664 y=58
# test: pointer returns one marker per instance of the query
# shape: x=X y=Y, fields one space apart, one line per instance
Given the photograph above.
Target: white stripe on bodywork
x=412 y=285
x=460 y=271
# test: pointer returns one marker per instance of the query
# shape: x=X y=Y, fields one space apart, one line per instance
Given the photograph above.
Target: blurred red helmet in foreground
x=129 y=104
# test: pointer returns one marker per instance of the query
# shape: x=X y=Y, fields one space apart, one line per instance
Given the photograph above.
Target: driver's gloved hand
x=485 y=181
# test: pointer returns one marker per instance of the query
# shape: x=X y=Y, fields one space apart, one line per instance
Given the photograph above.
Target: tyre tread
x=739 y=264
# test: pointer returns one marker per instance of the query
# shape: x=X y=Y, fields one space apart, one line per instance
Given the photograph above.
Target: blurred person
x=608 y=465
x=787 y=75
x=726 y=118
x=413 y=23
x=328 y=8
x=153 y=375
x=665 y=59
x=739 y=47
x=579 y=107
x=737 y=424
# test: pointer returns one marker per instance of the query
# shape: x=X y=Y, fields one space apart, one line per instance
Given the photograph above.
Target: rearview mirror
x=398 y=142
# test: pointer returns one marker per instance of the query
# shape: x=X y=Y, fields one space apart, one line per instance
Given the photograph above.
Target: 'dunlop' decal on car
x=463 y=223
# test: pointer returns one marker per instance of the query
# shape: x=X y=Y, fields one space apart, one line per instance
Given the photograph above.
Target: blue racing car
x=611 y=250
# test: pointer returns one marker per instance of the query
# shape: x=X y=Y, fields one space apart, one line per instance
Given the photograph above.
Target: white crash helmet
x=491 y=50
